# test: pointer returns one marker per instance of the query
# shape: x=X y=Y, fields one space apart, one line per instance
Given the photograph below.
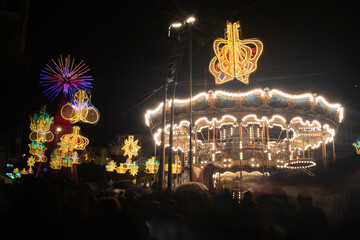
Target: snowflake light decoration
x=65 y=77
x=131 y=148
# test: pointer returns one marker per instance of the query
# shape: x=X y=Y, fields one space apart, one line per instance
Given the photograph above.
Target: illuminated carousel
x=244 y=135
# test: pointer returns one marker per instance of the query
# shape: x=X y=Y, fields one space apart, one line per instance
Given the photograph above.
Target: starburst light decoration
x=40 y=123
x=65 y=77
x=79 y=109
x=134 y=168
x=235 y=58
x=131 y=148
x=31 y=162
x=356 y=144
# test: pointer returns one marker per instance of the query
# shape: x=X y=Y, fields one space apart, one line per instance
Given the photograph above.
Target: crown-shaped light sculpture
x=235 y=58
x=130 y=149
x=37 y=149
x=356 y=144
x=79 y=109
x=65 y=155
x=40 y=123
x=152 y=165
x=176 y=167
x=74 y=141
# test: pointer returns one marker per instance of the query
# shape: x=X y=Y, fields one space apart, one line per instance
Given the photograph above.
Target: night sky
x=309 y=46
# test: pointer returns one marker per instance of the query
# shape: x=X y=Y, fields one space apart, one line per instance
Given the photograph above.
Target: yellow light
x=152 y=165
x=134 y=168
x=110 y=167
x=31 y=161
x=73 y=140
x=80 y=109
x=131 y=148
x=176 y=168
x=40 y=123
x=235 y=58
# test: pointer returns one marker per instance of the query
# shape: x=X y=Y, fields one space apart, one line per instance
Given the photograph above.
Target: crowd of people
x=49 y=209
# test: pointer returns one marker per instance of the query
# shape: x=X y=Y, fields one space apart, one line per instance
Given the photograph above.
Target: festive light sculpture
x=40 y=123
x=64 y=77
x=64 y=155
x=24 y=171
x=235 y=57
x=134 y=168
x=55 y=159
x=111 y=166
x=356 y=144
x=73 y=140
x=80 y=109
x=31 y=162
x=122 y=168
x=17 y=173
x=152 y=165
x=37 y=149
x=131 y=148
x=176 y=168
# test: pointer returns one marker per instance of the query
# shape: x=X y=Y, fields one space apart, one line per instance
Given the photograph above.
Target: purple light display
x=65 y=77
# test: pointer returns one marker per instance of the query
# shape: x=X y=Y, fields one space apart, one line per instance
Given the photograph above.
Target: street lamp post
x=169 y=81
x=190 y=21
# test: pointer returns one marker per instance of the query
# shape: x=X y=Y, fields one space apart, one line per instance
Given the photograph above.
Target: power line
x=133 y=107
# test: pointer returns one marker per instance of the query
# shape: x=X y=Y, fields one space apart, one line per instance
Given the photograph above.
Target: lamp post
x=190 y=21
x=172 y=80
x=168 y=82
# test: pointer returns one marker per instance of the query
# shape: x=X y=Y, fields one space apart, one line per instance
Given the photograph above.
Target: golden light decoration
x=235 y=58
x=17 y=173
x=40 y=123
x=73 y=140
x=176 y=168
x=37 y=149
x=131 y=148
x=122 y=168
x=31 y=162
x=134 y=168
x=152 y=165
x=24 y=171
x=111 y=166
x=64 y=155
x=56 y=159
x=356 y=144
x=79 y=109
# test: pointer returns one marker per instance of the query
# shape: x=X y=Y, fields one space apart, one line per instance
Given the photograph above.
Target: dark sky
x=309 y=46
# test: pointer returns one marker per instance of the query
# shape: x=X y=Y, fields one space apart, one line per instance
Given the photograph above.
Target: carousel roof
x=262 y=103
